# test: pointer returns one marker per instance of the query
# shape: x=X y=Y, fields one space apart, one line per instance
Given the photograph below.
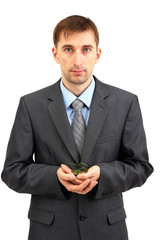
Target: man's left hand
x=93 y=174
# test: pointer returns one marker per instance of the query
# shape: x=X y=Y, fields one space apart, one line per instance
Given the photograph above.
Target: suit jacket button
x=82 y=218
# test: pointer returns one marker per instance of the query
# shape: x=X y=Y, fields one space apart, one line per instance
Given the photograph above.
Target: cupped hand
x=93 y=174
x=72 y=183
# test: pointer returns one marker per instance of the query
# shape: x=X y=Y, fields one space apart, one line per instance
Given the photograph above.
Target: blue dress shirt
x=85 y=97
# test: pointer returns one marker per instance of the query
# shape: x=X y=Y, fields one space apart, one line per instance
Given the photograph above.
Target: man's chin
x=78 y=80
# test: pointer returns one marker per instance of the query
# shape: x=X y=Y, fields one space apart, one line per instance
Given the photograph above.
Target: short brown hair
x=74 y=23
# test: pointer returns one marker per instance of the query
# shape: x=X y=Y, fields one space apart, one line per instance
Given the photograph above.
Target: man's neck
x=77 y=89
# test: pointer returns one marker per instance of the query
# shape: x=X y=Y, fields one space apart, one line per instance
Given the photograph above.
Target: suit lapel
x=59 y=116
x=97 y=116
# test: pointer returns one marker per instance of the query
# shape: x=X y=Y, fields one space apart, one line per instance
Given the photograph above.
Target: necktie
x=78 y=126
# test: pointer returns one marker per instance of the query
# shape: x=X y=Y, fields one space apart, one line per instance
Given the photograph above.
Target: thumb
x=65 y=168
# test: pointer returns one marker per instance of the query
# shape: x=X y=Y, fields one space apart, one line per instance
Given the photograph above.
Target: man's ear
x=98 y=55
x=55 y=54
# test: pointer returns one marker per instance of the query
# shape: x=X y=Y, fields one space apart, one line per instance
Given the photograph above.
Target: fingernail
x=71 y=177
x=94 y=184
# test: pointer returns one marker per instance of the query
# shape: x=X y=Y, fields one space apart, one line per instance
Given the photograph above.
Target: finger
x=83 y=189
x=79 y=188
x=65 y=176
x=92 y=185
x=65 y=168
x=88 y=188
x=84 y=176
x=93 y=173
x=67 y=184
x=76 y=181
x=73 y=188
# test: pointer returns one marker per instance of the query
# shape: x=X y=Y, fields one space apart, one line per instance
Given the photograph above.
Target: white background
x=130 y=42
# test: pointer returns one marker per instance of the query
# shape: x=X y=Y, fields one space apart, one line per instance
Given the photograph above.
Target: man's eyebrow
x=67 y=46
x=88 y=46
x=71 y=46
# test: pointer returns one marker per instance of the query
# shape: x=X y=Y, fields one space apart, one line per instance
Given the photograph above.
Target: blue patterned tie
x=78 y=126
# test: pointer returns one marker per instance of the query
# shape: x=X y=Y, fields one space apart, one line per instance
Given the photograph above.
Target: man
x=78 y=119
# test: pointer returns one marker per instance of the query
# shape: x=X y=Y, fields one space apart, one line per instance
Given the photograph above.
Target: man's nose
x=78 y=59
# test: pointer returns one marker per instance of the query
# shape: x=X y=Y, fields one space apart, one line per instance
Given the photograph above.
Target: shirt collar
x=85 y=97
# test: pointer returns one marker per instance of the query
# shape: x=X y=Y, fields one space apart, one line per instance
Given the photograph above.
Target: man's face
x=77 y=54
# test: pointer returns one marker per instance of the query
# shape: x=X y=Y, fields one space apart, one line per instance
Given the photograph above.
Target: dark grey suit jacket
x=41 y=140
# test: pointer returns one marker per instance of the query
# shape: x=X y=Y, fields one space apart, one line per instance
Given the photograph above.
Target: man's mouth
x=77 y=71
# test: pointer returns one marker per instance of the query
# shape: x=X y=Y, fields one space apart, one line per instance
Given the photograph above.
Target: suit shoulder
x=40 y=94
x=116 y=96
x=117 y=92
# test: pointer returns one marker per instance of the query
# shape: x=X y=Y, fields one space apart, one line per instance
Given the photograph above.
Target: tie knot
x=77 y=105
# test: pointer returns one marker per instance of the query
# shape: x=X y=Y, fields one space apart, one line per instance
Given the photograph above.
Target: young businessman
x=78 y=119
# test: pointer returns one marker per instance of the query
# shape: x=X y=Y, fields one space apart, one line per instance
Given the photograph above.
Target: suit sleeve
x=21 y=173
x=133 y=167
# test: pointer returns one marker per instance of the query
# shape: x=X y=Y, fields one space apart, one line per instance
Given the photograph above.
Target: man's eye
x=68 y=50
x=86 y=50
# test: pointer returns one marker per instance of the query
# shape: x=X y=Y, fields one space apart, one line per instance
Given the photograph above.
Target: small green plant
x=81 y=168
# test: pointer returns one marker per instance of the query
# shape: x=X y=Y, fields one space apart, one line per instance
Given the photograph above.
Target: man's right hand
x=71 y=183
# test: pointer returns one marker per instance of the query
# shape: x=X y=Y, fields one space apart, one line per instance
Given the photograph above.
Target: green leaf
x=84 y=169
x=77 y=171
x=83 y=164
x=75 y=164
